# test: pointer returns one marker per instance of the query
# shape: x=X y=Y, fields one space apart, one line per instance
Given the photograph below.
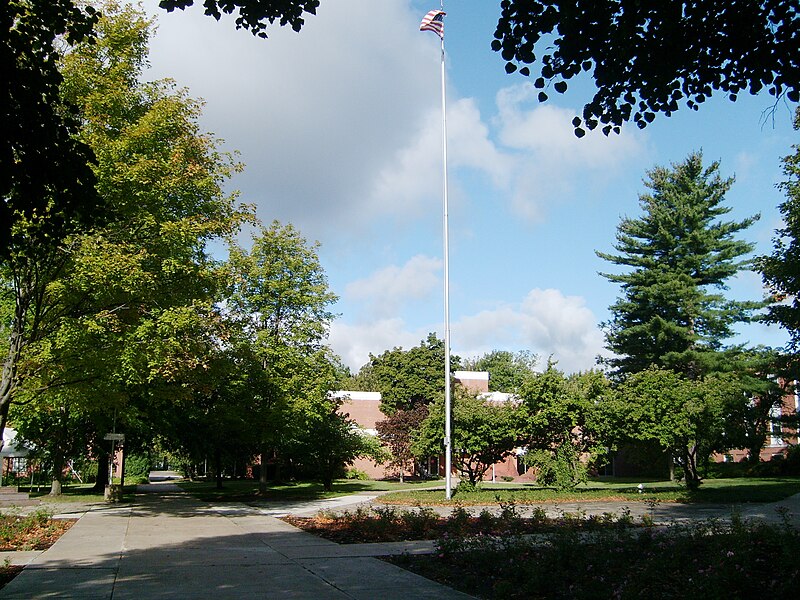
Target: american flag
x=434 y=21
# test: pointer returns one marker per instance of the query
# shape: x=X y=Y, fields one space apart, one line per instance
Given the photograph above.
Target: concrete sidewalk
x=169 y=545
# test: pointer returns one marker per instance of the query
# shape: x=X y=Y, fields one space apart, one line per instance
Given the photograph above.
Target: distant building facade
x=364 y=409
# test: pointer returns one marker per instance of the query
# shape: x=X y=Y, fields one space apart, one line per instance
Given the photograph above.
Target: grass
x=247 y=490
x=81 y=492
x=713 y=491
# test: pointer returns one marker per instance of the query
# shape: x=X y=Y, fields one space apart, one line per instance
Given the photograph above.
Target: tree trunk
x=262 y=473
x=690 y=469
x=8 y=381
x=58 y=473
x=218 y=466
x=102 y=473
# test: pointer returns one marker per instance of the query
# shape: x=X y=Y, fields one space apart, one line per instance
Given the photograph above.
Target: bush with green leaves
x=561 y=468
x=714 y=559
x=356 y=474
x=137 y=468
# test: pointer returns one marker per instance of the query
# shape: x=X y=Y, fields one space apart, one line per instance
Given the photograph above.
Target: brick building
x=364 y=409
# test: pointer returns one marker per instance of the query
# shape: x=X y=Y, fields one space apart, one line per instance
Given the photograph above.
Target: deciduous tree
x=281 y=299
x=406 y=378
x=397 y=433
x=648 y=58
x=483 y=432
x=130 y=304
x=508 y=371
x=683 y=416
x=562 y=424
x=46 y=183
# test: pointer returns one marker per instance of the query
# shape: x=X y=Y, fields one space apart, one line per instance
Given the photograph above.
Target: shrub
x=357 y=474
x=137 y=468
x=466 y=487
x=561 y=469
x=791 y=466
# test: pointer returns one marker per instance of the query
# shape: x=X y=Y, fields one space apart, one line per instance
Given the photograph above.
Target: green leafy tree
x=483 y=432
x=563 y=425
x=57 y=432
x=683 y=416
x=397 y=433
x=508 y=371
x=781 y=270
x=281 y=299
x=46 y=184
x=647 y=58
x=751 y=396
x=129 y=311
x=679 y=255
x=320 y=439
x=406 y=378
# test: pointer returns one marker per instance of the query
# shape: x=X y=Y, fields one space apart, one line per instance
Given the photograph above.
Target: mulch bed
x=375 y=529
x=39 y=537
x=26 y=533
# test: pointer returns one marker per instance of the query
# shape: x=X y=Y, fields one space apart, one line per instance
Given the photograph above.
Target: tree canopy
x=46 y=183
x=646 y=58
x=406 y=378
x=679 y=255
x=484 y=432
x=781 y=270
x=254 y=15
x=508 y=371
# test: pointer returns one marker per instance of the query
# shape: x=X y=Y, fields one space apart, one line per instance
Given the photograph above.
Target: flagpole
x=448 y=450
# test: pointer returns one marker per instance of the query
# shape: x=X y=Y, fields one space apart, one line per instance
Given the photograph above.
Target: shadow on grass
x=248 y=491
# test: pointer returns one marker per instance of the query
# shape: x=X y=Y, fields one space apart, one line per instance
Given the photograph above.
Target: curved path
x=167 y=545
x=170 y=546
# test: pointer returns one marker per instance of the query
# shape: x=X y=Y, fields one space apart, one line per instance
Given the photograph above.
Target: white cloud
x=553 y=163
x=386 y=291
x=408 y=183
x=315 y=114
x=545 y=322
x=354 y=343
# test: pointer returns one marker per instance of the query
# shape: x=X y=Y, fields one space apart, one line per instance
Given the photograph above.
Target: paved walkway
x=169 y=545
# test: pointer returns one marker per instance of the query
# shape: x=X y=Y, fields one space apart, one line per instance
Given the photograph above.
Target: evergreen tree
x=679 y=255
x=781 y=270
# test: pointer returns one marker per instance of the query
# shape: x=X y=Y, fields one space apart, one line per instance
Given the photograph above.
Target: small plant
x=356 y=474
x=458 y=521
x=561 y=469
x=137 y=468
x=466 y=487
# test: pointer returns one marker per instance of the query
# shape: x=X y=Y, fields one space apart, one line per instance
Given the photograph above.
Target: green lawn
x=713 y=491
x=74 y=493
x=247 y=490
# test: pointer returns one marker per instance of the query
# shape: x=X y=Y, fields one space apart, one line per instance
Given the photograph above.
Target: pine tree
x=679 y=254
x=781 y=270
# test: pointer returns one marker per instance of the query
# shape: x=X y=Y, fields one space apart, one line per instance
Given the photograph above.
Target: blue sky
x=339 y=127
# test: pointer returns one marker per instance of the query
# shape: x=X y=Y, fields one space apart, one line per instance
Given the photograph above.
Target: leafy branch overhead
x=647 y=57
x=254 y=15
